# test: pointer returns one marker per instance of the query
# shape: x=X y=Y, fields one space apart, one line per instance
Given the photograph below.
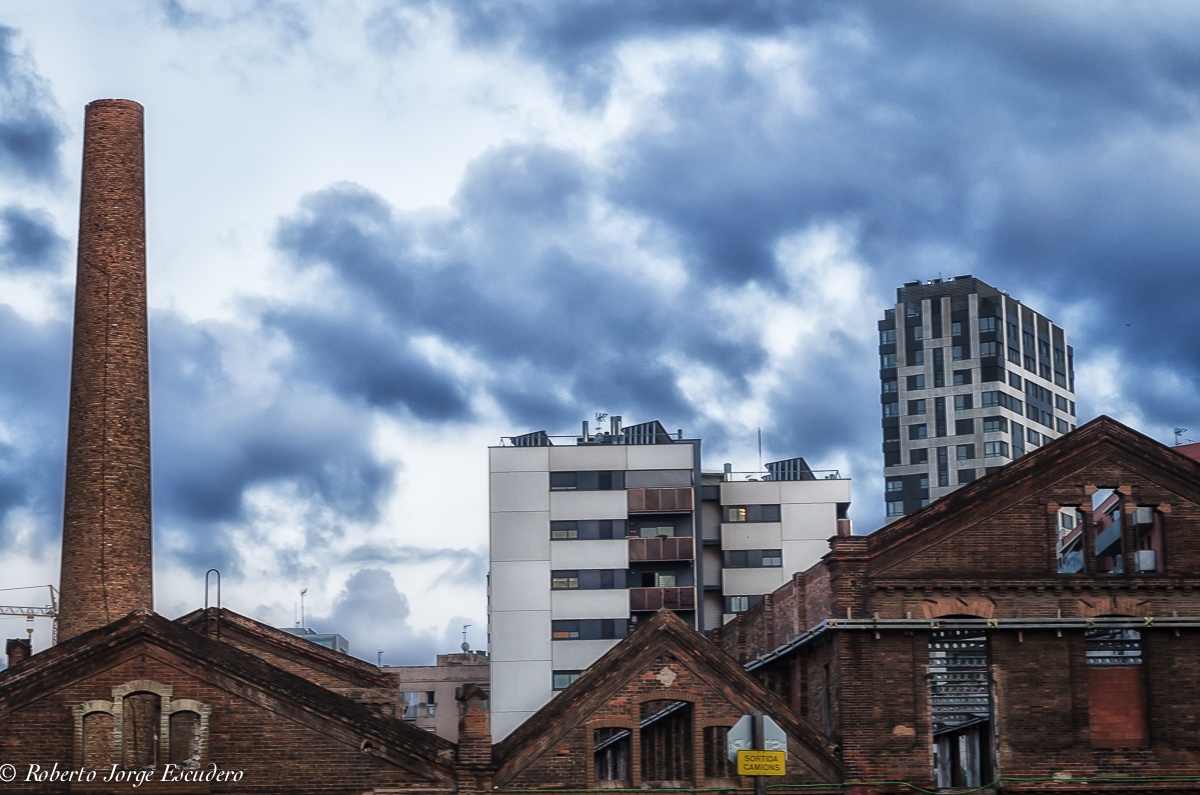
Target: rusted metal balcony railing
x=671 y=548
x=656 y=598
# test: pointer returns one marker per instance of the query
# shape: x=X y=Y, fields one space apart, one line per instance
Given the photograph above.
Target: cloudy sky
x=384 y=234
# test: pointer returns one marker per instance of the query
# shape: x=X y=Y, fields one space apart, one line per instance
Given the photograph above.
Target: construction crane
x=47 y=611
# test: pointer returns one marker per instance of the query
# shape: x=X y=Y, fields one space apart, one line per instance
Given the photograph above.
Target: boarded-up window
x=141 y=716
x=1117 y=713
x=98 y=741
x=185 y=738
x=610 y=751
x=666 y=743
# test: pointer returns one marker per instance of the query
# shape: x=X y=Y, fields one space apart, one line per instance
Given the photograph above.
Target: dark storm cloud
x=577 y=40
x=513 y=277
x=217 y=435
x=34 y=374
x=30 y=131
x=29 y=241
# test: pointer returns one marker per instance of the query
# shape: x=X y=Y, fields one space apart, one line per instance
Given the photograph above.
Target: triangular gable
x=146 y=635
x=675 y=662
x=950 y=525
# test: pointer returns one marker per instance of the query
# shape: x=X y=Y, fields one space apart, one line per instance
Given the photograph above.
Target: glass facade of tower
x=970 y=379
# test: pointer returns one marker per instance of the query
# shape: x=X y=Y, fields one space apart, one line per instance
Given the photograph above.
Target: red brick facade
x=983 y=562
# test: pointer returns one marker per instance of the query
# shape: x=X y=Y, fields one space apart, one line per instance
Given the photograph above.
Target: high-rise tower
x=970 y=378
x=106 y=554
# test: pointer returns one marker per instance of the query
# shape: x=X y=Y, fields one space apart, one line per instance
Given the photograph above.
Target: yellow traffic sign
x=761 y=763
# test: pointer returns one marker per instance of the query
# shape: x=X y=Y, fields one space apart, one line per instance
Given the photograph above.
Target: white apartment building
x=593 y=532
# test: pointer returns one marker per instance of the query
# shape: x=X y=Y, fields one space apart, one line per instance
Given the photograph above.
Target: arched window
x=611 y=751
x=97 y=729
x=141 y=722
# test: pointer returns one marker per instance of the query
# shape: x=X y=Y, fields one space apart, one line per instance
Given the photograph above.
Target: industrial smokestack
x=106 y=557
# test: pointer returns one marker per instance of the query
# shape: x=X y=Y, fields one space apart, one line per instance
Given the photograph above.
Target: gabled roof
x=222 y=664
x=238 y=629
x=1102 y=438
x=663 y=633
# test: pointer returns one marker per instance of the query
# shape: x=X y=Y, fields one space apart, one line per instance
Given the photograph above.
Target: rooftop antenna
x=465 y=646
x=379 y=658
x=760 y=449
x=1179 y=432
x=302 y=592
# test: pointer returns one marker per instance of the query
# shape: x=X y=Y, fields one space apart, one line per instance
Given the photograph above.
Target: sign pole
x=759 y=744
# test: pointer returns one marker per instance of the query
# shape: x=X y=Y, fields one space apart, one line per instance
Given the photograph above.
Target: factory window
x=611 y=751
x=602 y=480
x=753 y=558
x=995 y=449
x=1117 y=712
x=916 y=407
x=887 y=361
x=667 y=743
x=1068 y=528
x=563 y=679
x=961 y=708
x=887 y=336
x=564 y=580
x=751 y=513
x=895 y=508
x=1109 y=548
x=1148 y=541
x=716 y=753
x=141 y=716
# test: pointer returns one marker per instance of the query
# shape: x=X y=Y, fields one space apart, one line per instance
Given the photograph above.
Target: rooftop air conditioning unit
x=1144 y=515
x=1145 y=560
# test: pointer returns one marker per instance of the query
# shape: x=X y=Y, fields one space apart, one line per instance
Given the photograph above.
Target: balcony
x=650 y=549
x=655 y=598
x=659 y=499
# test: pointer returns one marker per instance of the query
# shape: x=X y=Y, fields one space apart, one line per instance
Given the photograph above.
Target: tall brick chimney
x=106 y=555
